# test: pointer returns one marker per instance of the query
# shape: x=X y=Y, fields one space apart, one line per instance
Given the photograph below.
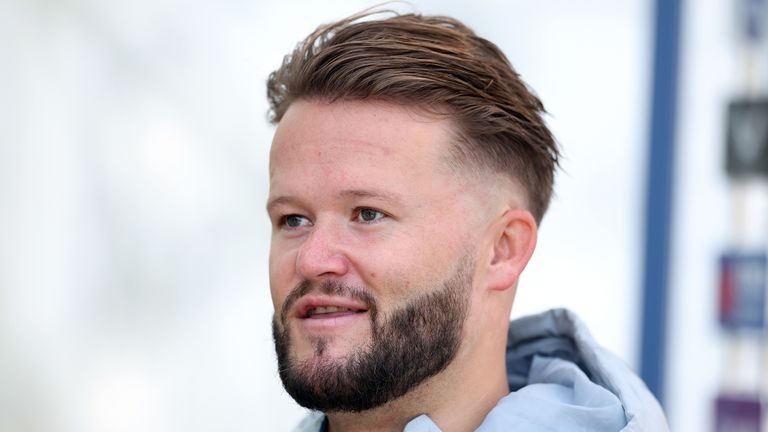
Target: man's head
x=438 y=65
x=408 y=172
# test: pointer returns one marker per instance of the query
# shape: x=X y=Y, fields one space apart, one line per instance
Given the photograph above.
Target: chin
x=329 y=348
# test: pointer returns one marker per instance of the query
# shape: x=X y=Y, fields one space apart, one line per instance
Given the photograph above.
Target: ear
x=515 y=239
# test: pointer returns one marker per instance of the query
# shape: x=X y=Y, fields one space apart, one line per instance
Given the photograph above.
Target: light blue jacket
x=560 y=380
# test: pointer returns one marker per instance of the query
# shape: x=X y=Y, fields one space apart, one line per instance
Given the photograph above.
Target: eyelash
x=284 y=221
x=358 y=211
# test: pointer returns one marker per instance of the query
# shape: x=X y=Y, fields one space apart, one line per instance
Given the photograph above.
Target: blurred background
x=133 y=177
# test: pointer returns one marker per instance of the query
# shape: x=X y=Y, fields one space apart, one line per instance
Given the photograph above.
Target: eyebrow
x=355 y=193
x=280 y=200
x=375 y=194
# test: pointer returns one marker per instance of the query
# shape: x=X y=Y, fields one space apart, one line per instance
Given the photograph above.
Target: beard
x=410 y=345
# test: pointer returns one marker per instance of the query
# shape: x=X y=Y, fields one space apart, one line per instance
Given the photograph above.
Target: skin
x=360 y=192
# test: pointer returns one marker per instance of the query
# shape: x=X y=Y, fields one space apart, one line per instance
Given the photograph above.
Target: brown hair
x=438 y=64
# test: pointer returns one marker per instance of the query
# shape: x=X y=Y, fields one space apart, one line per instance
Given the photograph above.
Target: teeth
x=327 y=309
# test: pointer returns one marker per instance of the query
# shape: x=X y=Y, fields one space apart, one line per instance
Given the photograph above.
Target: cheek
x=281 y=274
x=403 y=275
x=431 y=266
x=428 y=254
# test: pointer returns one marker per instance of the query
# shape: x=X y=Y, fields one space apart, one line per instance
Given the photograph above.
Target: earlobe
x=515 y=240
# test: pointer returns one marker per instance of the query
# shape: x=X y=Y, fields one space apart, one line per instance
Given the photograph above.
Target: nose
x=322 y=254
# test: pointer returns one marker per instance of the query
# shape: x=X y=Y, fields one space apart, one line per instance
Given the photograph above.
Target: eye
x=369 y=215
x=295 y=221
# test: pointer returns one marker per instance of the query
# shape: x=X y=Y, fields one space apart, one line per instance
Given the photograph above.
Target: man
x=408 y=174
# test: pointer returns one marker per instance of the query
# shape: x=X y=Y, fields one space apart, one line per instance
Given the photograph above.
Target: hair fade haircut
x=434 y=63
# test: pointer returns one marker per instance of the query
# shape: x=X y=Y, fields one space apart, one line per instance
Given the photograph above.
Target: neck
x=457 y=399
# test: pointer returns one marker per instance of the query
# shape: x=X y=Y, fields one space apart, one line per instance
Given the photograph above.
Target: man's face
x=372 y=255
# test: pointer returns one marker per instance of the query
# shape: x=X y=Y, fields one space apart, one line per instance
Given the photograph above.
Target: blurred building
x=133 y=178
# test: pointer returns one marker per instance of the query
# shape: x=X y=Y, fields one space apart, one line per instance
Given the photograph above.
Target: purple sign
x=738 y=413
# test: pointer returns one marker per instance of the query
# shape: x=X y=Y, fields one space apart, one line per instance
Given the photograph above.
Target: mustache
x=328 y=287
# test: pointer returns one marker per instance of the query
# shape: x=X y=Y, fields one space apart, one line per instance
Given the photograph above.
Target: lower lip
x=333 y=321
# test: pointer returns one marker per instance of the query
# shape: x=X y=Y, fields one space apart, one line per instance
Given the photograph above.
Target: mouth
x=322 y=312
x=325 y=308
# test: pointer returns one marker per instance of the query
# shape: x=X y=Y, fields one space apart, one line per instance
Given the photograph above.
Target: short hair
x=434 y=63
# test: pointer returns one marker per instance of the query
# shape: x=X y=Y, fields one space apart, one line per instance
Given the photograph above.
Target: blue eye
x=295 y=221
x=368 y=215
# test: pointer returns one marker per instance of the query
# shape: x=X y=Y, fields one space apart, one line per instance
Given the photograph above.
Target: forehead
x=351 y=132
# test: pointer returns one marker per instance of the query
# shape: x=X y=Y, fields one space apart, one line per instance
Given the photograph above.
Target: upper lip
x=307 y=303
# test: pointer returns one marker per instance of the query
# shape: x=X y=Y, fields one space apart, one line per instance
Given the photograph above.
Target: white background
x=133 y=236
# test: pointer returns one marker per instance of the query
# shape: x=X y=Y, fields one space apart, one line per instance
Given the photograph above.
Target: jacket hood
x=561 y=379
